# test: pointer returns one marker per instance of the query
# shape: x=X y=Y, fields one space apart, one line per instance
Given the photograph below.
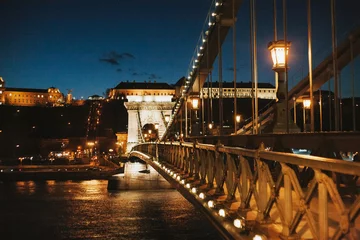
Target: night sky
x=89 y=46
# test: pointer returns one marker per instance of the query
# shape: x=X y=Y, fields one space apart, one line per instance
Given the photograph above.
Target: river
x=87 y=210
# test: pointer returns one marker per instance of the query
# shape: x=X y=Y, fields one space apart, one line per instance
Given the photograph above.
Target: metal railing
x=274 y=193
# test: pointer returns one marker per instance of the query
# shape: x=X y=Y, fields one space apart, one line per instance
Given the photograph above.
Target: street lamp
x=279 y=53
x=195 y=103
x=167 y=118
x=238 y=118
x=156 y=126
x=306 y=105
x=193 y=122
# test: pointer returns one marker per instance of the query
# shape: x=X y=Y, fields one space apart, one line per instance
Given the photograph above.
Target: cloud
x=109 y=60
x=149 y=76
x=153 y=76
x=114 y=58
x=129 y=55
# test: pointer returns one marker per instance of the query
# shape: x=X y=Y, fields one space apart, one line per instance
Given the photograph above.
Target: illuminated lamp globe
x=278 y=54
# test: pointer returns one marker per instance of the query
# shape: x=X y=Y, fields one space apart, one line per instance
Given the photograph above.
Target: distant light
x=182 y=181
x=17 y=145
x=178 y=178
x=33 y=126
x=193 y=190
x=213 y=14
x=111 y=150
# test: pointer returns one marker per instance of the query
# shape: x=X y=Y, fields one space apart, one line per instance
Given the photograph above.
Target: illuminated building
x=30 y=96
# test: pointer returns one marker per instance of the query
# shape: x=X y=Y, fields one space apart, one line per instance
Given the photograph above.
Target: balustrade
x=303 y=196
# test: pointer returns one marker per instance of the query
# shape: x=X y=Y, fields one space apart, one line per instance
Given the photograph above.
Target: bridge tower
x=149 y=106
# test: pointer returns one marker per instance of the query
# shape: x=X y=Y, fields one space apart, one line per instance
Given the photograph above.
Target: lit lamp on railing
x=306 y=105
x=194 y=123
x=279 y=53
x=156 y=126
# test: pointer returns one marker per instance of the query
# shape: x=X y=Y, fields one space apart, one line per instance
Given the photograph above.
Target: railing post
x=244 y=182
x=288 y=206
x=157 y=151
x=323 y=206
x=263 y=193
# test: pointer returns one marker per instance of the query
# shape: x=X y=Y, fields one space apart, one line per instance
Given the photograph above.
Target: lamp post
x=306 y=105
x=279 y=51
x=237 y=121
x=194 y=127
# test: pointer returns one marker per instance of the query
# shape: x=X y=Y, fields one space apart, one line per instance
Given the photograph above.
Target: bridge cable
x=286 y=65
x=234 y=55
x=334 y=53
x=254 y=65
x=220 y=79
x=352 y=83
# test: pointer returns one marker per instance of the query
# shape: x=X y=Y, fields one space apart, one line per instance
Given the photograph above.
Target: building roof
x=143 y=85
x=37 y=90
x=180 y=82
x=238 y=85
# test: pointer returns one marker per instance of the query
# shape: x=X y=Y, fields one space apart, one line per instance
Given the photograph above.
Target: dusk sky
x=69 y=44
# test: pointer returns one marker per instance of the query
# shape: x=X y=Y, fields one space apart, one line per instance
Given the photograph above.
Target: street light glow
x=195 y=103
x=307 y=103
x=277 y=50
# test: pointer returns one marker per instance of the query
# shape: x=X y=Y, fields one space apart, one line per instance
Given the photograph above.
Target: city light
x=238 y=118
x=211 y=204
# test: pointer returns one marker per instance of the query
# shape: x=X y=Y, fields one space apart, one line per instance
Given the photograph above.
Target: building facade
x=30 y=96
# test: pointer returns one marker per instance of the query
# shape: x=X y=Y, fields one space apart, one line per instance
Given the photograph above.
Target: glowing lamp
x=239 y=223
x=210 y=125
x=202 y=195
x=167 y=118
x=306 y=103
x=278 y=53
x=156 y=126
x=222 y=213
x=211 y=204
x=259 y=237
x=238 y=118
x=195 y=103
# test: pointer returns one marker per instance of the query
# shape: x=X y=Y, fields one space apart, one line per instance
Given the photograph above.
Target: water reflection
x=86 y=210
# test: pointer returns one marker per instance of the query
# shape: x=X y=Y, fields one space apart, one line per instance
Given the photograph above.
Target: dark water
x=87 y=210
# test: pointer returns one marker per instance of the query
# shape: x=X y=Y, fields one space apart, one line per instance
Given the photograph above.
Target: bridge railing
x=303 y=196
